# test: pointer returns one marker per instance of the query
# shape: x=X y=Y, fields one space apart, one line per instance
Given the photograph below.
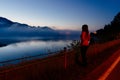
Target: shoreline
x=53 y=66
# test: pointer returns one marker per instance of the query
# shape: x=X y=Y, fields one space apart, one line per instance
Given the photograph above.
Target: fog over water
x=31 y=48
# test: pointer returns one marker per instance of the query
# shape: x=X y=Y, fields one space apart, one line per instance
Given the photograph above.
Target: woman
x=85 y=38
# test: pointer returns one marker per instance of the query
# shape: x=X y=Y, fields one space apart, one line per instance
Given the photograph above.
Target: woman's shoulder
x=83 y=33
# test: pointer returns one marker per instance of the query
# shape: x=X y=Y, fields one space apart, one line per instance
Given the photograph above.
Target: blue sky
x=61 y=14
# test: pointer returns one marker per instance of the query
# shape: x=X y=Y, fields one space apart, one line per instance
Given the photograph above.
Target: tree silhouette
x=110 y=31
x=116 y=23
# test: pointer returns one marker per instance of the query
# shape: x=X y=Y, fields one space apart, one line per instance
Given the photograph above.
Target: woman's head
x=85 y=28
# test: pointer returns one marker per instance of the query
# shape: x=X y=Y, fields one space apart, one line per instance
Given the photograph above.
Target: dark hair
x=85 y=28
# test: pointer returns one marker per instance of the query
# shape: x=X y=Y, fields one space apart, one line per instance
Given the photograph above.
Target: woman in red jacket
x=85 y=38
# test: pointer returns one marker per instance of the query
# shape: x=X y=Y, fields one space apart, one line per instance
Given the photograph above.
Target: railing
x=38 y=68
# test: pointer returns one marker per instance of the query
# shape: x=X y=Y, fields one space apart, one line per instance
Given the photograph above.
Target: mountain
x=5 y=22
x=10 y=29
x=14 y=29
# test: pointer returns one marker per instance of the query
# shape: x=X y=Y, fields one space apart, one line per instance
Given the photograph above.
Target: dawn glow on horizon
x=61 y=14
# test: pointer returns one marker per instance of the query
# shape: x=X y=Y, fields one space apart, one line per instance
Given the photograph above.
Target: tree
x=116 y=23
x=111 y=30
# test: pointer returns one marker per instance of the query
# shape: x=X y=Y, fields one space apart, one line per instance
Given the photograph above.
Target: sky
x=61 y=14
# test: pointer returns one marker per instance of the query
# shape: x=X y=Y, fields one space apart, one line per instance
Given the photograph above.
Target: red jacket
x=85 y=38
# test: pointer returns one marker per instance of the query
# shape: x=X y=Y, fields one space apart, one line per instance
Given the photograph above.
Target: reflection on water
x=31 y=48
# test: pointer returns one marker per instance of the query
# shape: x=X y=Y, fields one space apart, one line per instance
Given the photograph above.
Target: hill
x=110 y=31
x=15 y=29
x=10 y=29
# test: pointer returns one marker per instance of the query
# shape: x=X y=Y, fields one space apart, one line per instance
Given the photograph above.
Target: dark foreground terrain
x=53 y=68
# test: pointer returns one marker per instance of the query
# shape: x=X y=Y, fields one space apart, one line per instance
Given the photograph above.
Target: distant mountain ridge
x=13 y=29
x=5 y=22
x=10 y=29
x=2 y=19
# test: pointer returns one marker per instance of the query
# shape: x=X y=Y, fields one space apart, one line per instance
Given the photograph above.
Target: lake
x=31 y=48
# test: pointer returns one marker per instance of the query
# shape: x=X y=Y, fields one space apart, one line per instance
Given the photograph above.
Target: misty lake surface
x=31 y=48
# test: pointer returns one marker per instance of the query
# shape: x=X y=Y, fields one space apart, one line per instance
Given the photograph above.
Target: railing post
x=65 y=57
